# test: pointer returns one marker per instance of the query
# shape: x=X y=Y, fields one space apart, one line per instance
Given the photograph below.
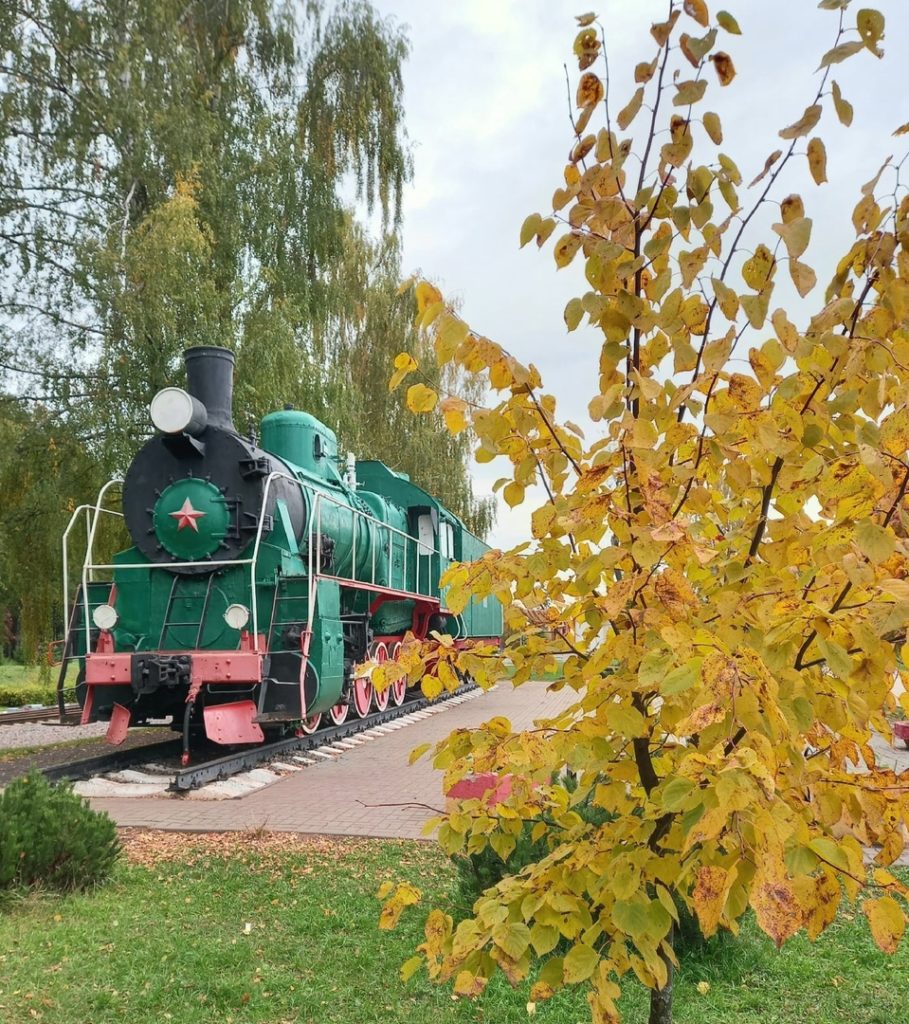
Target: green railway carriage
x=261 y=575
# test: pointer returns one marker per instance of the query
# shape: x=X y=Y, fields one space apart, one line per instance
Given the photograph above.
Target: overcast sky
x=487 y=112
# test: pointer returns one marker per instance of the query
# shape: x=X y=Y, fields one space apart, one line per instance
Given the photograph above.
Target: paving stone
x=370 y=791
x=99 y=787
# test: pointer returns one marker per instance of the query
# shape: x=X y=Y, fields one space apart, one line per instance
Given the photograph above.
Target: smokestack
x=210 y=378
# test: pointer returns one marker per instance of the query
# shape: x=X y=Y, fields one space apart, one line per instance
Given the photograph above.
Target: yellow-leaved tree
x=724 y=568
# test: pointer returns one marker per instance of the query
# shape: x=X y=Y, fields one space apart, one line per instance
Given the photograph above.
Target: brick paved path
x=344 y=795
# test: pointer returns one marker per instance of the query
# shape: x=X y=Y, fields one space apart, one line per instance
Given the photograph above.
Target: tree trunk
x=661 y=998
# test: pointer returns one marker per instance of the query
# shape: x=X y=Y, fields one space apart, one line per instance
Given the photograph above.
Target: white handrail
x=314 y=544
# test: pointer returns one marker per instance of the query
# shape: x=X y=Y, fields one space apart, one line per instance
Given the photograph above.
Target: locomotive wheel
x=379 y=654
x=338 y=713
x=362 y=696
x=399 y=687
x=309 y=725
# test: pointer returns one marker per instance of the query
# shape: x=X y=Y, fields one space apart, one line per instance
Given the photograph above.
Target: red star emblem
x=186 y=515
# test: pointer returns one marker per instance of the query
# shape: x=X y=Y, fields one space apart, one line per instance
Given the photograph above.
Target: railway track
x=185 y=779
x=71 y=714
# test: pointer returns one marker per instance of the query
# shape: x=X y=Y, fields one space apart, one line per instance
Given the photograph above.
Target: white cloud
x=488 y=115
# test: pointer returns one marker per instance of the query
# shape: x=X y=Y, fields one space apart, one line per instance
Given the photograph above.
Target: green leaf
x=675 y=794
x=726 y=21
x=829 y=851
x=630 y=918
x=682 y=678
x=512 y=938
x=580 y=962
x=544 y=938
x=877 y=543
x=410 y=967
x=653 y=667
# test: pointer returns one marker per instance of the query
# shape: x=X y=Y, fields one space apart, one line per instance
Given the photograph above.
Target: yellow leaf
x=841 y=52
x=468 y=984
x=689 y=92
x=590 y=90
x=427 y=295
x=817 y=160
x=513 y=494
x=803 y=277
x=697 y=9
x=421 y=398
x=644 y=71
x=703 y=987
x=450 y=333
x=565 y=249
x=628 y=113
x=418 y=752
x=758 y=270
x=843 y=107
x=796 y=235
x=431 y=687
x=530 y=227
x=776 y=907
x=404 y=364
x=870 y=25
x=713 y=127
x=454 y=412
x=804 y=124
x=886 y=921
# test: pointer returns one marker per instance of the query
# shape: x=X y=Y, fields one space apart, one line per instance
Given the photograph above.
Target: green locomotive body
x=261 y=575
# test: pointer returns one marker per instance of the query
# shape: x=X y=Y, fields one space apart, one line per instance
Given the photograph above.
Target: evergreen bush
x=50 y=837
x=20 y=696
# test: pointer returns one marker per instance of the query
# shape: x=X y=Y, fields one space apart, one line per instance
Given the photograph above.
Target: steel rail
x=37 y=714
x=115 y=760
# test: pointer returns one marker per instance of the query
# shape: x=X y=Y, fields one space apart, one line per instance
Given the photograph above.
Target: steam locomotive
x=263 y=574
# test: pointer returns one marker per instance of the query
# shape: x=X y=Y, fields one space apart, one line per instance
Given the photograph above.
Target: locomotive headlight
x=105 y=616
x=175 y=411
x=236 y=616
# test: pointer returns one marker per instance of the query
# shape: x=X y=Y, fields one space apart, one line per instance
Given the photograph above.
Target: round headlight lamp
x=236 y=616
x=175 y=411
x=105 y=616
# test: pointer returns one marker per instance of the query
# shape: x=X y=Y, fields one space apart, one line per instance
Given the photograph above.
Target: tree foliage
x=723 y=565
x=174 y=174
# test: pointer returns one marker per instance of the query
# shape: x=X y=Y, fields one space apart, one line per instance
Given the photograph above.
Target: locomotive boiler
x=261 y=574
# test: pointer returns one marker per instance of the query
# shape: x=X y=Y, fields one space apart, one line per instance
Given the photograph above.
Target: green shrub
x=50 y=837
x=18 y=697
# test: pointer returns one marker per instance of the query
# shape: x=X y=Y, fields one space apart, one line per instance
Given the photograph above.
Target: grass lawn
x=17 y=677
x=268 y=930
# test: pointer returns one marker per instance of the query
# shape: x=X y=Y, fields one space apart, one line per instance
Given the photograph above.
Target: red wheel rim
x=362 y=696
x=338 y=713
x=380 y=656
x=309 y=725
x=399 y=686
